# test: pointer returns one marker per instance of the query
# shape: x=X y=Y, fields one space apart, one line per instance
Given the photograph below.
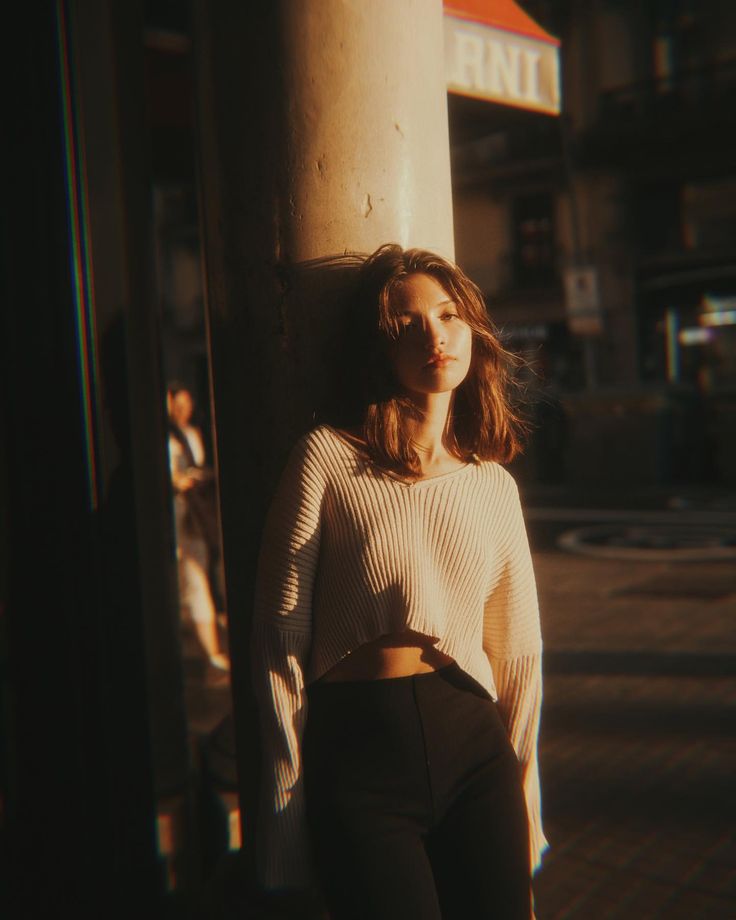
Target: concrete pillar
x=322 y=131
x=366 y=155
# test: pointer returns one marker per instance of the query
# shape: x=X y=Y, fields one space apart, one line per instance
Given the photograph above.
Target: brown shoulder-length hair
x=484 y=421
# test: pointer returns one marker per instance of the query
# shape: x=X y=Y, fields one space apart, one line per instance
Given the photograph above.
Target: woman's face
x=181 y=408
x=433 y=350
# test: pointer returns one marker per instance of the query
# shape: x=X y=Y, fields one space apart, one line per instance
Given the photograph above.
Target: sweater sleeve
x=282 y=630
x=512 y=640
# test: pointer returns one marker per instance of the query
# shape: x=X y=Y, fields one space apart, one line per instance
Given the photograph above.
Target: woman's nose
x=434 y=335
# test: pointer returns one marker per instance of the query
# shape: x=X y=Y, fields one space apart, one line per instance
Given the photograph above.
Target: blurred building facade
x=603 y=237
x=605 y=241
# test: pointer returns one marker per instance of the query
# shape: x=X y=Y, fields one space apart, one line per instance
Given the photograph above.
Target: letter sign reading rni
x=489 y=63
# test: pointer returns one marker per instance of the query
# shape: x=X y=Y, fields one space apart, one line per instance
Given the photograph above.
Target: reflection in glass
x=198 y=552
x=196 y=524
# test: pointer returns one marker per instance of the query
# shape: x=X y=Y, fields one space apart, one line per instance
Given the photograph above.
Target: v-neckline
x=402 y=480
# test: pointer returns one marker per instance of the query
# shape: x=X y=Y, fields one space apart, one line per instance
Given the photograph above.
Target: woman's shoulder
x=497 y=475
x=324 y=447
x=334 y=440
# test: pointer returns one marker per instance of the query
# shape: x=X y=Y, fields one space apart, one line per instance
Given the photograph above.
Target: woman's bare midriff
x=394 y=655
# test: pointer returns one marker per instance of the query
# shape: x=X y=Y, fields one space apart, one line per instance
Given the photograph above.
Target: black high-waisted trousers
x=414 y=801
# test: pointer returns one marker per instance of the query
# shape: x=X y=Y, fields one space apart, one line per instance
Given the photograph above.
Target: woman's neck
x=429 y=430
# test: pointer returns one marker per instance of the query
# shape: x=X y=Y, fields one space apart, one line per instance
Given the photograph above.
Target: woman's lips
x=439 y=361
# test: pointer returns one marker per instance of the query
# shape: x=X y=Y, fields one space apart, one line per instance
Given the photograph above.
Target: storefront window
x=691 y=341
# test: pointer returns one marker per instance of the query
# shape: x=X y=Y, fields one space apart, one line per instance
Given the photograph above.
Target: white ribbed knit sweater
x=351 y=553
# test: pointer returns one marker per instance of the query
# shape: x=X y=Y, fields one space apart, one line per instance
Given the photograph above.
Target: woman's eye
x=449 y=316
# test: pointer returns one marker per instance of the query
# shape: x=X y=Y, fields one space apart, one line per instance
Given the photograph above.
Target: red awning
x=501 y=14
x=496 y=51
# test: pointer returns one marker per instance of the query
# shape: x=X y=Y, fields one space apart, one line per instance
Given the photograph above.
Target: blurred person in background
x=195 y=520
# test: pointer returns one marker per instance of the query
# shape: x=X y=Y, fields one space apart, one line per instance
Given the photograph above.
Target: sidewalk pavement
x=637 y=750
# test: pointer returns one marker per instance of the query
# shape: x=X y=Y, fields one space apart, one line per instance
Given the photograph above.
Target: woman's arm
x=519 y=688
x=512 y=640
x=282 y=631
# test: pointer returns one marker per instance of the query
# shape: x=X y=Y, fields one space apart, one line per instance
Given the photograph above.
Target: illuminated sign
x=719 y=311
x=495 y=51
x=718 y=318
x=694 y=335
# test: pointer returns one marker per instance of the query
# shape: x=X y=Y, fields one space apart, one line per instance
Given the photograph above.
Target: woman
x=195 y=523
x=395 y=603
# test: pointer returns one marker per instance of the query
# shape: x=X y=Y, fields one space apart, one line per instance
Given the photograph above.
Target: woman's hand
x=182 y=482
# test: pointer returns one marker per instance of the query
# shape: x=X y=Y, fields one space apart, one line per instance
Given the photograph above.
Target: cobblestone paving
x=637 y=752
